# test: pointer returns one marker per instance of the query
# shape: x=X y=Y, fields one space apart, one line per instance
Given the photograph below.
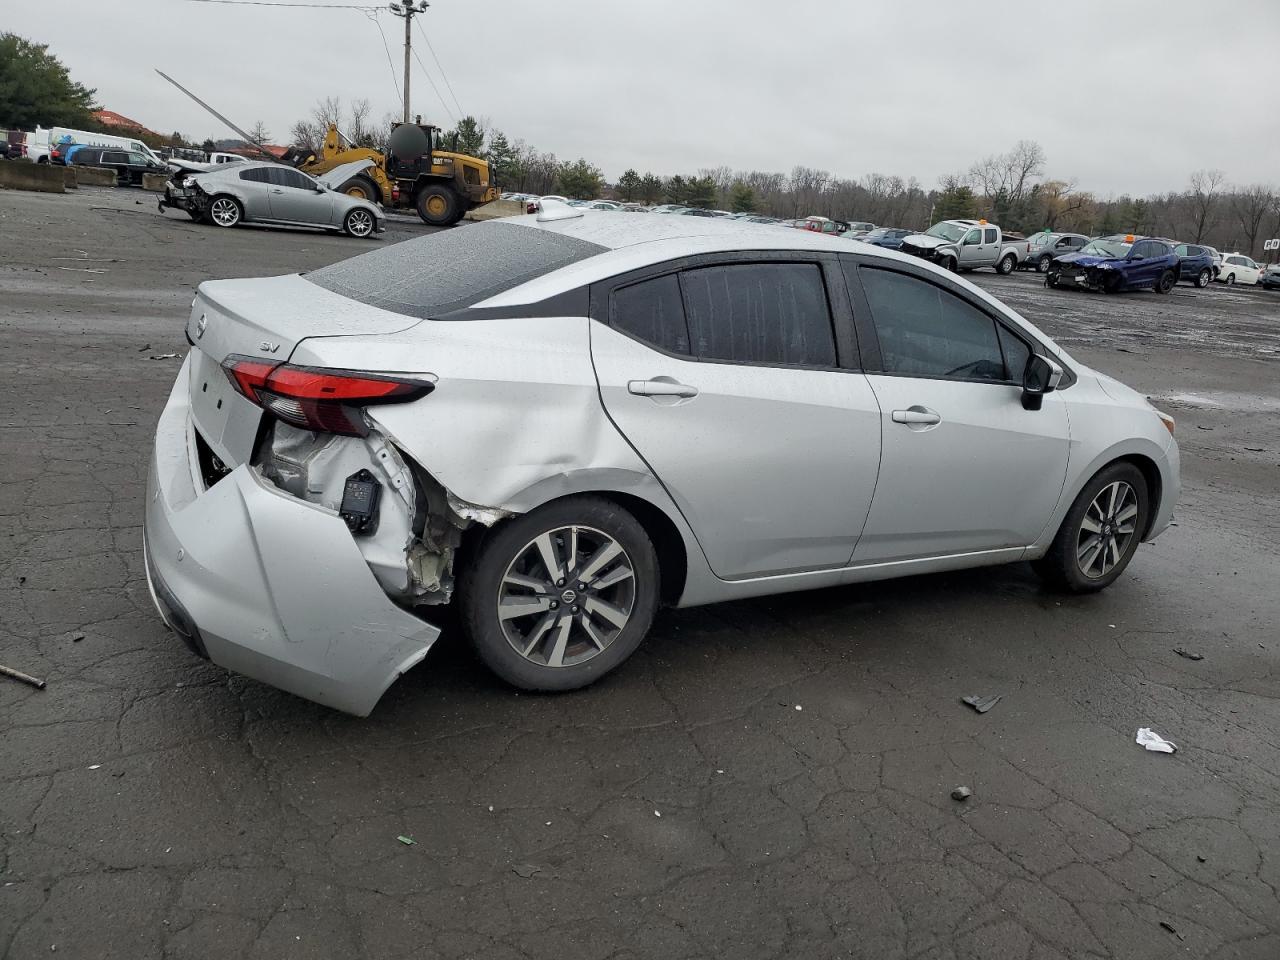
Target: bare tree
x=1059 y=199
x=1251 y=206
x=1009 y=175
x=259 y=134
x=1203 y=199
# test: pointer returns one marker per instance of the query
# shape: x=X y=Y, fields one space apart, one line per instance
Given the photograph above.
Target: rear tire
x=438 y=205
x=1006 y=265
x=1204 y=278
x=1166 y=281
x=589 y=630
x=1075 y=560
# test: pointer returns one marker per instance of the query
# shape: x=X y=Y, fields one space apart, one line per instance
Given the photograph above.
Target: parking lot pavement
x=769 y=778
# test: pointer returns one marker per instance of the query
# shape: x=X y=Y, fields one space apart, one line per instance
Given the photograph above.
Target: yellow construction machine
x=442 y=186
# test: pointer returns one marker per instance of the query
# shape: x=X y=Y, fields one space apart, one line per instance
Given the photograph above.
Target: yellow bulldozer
x=442 y=186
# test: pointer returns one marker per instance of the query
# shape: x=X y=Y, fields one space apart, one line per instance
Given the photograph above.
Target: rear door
x=964 y=467
x=735 y=378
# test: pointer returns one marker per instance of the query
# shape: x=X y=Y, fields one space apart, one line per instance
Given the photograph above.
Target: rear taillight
x=316 y=398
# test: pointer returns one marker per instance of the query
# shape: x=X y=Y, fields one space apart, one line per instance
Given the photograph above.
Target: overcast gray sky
x=1124 y=97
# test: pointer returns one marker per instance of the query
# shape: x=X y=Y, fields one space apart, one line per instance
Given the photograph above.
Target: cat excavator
x=414 y=171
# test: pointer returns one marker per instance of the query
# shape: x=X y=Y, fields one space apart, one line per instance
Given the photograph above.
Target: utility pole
x=407 y=11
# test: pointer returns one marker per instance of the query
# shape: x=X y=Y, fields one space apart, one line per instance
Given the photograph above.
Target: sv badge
x=266 y=346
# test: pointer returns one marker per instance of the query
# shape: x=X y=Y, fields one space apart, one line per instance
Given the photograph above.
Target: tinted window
x=1237 y=261
x=652 y=311
x=435 y=274
x=138 y=159
x=990 y=236
x=115 y=156
x=924 y=331
x=1143 y=249
x=760 y=313
x=292 y=178
x=257 y=175
x=1016 y=354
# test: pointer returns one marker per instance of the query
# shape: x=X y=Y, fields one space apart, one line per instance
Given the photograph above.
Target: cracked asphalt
x=769 y=778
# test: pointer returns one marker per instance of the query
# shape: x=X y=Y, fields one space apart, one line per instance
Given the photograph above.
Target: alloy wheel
x=359 y=223
x=566 y=596
x=224 y=212
x=1043 y=265
x=1106 y=529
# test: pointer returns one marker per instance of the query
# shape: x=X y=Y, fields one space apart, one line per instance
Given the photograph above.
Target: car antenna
x=243 y=136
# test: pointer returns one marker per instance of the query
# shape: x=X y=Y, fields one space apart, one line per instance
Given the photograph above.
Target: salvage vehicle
x=888 y=237
x=558 y=422
x=129 y=166
x=1043 y=247
x=271 y=193
x=1237 y=268
x=1116 y=264
x=957 y=245
x=1195 y=264
x=1270 y=279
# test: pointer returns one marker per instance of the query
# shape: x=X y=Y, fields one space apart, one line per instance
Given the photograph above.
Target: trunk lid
x=265 y=319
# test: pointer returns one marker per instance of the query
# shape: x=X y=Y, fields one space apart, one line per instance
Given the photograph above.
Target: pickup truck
x=966 y=245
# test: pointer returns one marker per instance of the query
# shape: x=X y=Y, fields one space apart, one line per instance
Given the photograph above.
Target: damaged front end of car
x=182 y=192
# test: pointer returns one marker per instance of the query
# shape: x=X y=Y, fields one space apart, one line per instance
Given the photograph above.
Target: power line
x=440 y=66
x=434 y=87
x=385 y=46
x=278 y=3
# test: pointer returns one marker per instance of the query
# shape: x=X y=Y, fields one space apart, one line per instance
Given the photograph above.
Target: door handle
x=277 y=191
x=660 y=388
x=917 y=416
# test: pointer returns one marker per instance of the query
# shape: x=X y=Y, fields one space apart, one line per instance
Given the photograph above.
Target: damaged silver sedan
x=559 y=422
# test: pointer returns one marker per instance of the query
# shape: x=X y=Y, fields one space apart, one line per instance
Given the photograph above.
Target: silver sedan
x=272 y=193
x=559 y=422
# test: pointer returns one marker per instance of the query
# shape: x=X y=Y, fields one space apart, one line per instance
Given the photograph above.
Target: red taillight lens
x=315 y=398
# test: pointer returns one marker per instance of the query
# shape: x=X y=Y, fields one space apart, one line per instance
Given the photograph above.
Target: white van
x=40 y=141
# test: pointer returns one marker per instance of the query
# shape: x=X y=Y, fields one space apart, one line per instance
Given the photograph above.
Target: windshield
x=1040 y=239
x=1107 y=248
x=946 y=231
x=433 y=275
x=875 y=234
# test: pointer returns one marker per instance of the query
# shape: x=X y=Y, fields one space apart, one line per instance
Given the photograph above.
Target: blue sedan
x=1115 y=264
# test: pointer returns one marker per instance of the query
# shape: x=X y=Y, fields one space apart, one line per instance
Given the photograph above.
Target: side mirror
x=1040 y=376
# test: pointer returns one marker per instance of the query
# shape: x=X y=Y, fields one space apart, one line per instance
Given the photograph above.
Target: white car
x=558 y=422
x=1237 y=268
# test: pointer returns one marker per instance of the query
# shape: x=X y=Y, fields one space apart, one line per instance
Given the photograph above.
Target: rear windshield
x=433 y=275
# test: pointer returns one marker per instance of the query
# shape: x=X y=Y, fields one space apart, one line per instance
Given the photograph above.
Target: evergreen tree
x=629 y=185
x=35 y=88
x=742 y=199
x=650 y=188
x=580 y=180
x=955 y=202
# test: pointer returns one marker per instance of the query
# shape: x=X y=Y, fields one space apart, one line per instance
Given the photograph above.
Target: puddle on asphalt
x=1225 y=400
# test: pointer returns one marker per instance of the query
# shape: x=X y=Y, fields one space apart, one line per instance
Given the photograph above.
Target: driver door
x=295 y=197
x=964 y=468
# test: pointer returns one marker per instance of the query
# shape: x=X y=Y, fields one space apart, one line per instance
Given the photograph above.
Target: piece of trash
x=961 y=793
x=1170 y=927
x=1199 y=427
x=77 y=638
x=719 y=771
x=163 y=356
x=95 y=766
x=491 y=808
x=1202 y=859
x=547 y=824
x=525 y=870
x=1111 y=625
x=981 y=704
x=798 y=707
x=656 y=813
x=18 y=674
x=1254 y=449
x=407 y=841
x=1154 y=742
x=1190 y=655
x=144 y=348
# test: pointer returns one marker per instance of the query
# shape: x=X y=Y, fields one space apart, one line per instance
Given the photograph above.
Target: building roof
x=112 y=119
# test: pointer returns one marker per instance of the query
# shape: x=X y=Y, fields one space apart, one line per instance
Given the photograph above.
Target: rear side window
x=991 y=236
x=436 y=274
x=652 y=311
x=925 y=331
x=768 y=313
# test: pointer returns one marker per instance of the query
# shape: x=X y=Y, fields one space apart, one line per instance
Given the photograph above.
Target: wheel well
x=1151 y=473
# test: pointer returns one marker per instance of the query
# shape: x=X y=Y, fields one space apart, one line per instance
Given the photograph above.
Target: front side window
x=925 y=331
x=652 y=312
x=769 y=313
x=973 y=236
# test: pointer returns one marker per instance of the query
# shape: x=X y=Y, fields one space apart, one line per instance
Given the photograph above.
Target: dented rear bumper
x=273 y=587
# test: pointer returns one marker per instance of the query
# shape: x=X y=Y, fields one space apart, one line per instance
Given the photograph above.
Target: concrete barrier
x=96 y=176
x=39 y=177
x=69 y=178
x=154 y=182
x=496 y=209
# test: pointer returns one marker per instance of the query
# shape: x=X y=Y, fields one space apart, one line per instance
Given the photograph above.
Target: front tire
x=225 y=211
x=438 y=205
x=1051 y=280
x=1100 y=533
x=1166 y=281
x=359 y=223
x=1231 y=279
x=557 y=598
x=1204 y=278
x=1043 y=263
x=1006 y=265
x=950 y=264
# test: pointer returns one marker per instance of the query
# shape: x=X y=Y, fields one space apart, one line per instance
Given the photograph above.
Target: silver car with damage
x=559 y=422
x=272 y=193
